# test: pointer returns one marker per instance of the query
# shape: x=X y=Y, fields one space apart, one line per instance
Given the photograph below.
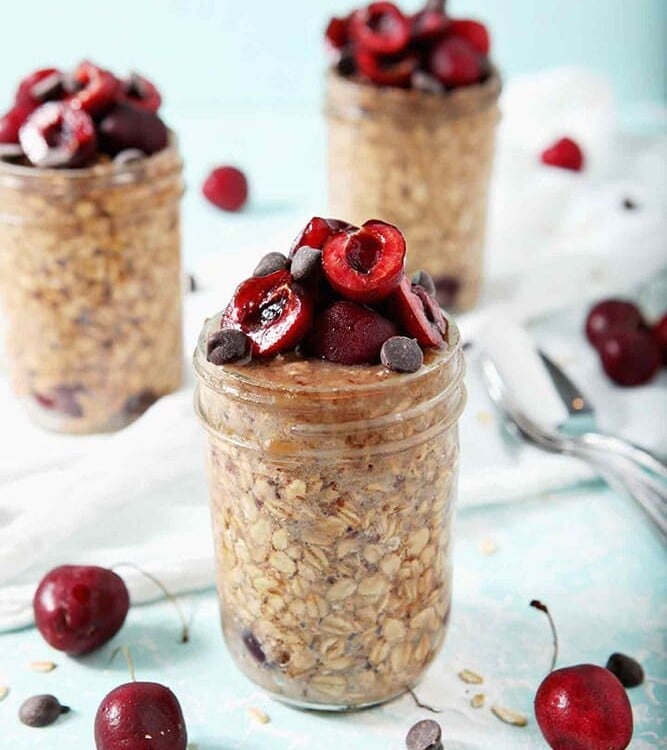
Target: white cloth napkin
x=140 y=495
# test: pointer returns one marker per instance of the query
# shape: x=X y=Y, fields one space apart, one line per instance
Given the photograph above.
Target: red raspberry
x=272 y=311
x=365 y=265
x=565 y=154
x=350 y=334
x=227 y=188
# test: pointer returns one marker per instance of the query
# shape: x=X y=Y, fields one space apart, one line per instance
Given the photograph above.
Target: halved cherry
x=418 y=314
x=455 y=62
x=316 y=232
x=24 y=93
x=141 y=92
x=380 y=28
x=474 y=32
x=394 y=70
x=337 y=32
x=57 y=135
x=365 y=265
x=429 y=25
x=273 y=312
x=10 y=122
x=99 y=91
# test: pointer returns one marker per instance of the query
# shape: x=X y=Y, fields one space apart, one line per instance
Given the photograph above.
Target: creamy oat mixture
x=332 y=492
x=90 y=287
x=421 y=161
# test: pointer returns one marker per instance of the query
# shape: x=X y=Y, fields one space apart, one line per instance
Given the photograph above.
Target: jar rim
x=132 y=171
x=220 y=378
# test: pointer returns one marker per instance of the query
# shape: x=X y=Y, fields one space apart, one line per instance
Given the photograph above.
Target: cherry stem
x=423 y=705
x=185 y=629
x=543 y=608
x=128 y=658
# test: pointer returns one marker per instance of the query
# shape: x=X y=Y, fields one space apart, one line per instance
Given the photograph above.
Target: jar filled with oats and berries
x=90 y=265
x=412 y=107
x=332 y=492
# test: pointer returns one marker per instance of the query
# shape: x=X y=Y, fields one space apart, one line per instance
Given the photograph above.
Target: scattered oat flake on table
x=472 y=678
x=488 y=547
x=258 y=715
x=509 y=717
x=477 y=701
x=4 y=692
x=42 y=666
x=485 y=417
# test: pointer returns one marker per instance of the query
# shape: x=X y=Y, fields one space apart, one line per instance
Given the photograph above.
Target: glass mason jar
x=90 y=287
x=332 y=498
x=421 y=161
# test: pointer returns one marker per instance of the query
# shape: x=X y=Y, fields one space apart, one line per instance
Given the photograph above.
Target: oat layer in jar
x=422 y=161
x=90 y=287
x=332 y=497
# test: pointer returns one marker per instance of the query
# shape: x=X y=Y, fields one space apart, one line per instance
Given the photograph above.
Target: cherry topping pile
x=428 y=50
x=341 y=295
x=74 y=119
x=631 y=351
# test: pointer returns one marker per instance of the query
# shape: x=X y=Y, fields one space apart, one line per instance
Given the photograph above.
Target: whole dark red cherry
x=140 y=716
x=609 y=315
x=659 y=332
x=630 y=357
x=79 y=607
x=455 y=62
x=584 y=707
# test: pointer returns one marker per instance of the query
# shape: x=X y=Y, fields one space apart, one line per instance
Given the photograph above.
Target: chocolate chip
x=127 y=156
x=228 y=345
x=193 y=286
x=253 y=646
x=138 y=403
x=629 y=204
x=628 y=670
x=346 y=65
x=447 y=289
x=401 y=354
x=424 y=735
x=271 y=263
x=11 y=152
x=425 y=280
x=424 y=82
x=307 y=262
x=51 y=87
x=41 y=710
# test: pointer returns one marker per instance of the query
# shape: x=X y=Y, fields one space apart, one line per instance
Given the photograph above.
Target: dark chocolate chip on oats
x=41 y=710
x=253 y=646
x=425 y=281
x=628 y=670
x=271 y=263
x=307 y=261
x=228 y=345
x=424 y=735
x=401 y=354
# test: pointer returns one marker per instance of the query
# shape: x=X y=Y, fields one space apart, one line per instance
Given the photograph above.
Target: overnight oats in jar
x=412 y=108
x=330 y=388
x=90 y=270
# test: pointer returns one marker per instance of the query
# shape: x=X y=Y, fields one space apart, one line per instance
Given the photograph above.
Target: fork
x=626 y=467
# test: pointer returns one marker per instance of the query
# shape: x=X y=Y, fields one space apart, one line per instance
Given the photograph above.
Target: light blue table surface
x=615 y=602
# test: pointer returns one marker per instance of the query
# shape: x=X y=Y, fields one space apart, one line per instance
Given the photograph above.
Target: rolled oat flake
x=228 y=345
x=41 y=710
x=424 y=735
x=401 y=354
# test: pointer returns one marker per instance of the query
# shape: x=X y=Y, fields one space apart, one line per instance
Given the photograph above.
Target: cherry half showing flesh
x=140 y=716
x=365 y=265
x=316 y=232
x=273 y=311
x=380 y=28
x=80 y=607
x=418 y=314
